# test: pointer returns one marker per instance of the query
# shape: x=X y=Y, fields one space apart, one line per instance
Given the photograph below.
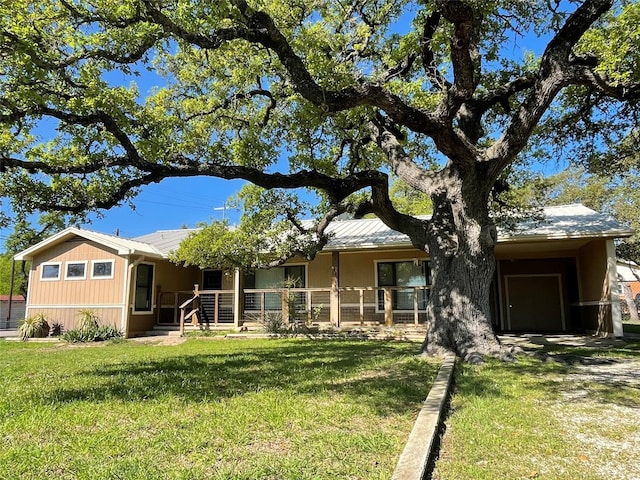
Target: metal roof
x=562 y=222
x=166 y=241
x=568 y=221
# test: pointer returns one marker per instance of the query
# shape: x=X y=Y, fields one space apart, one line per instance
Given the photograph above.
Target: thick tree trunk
x=461 y=248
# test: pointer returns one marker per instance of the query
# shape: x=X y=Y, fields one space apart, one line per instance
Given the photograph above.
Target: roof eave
x=29 y=253
x=564 y=236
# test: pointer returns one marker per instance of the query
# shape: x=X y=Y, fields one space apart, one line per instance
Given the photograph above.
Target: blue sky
x=170 y=204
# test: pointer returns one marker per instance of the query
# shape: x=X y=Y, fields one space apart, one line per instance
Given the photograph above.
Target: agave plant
x=34 y=327
x=88 y=320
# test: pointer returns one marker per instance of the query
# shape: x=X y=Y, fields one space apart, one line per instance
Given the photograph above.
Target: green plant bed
x=250 y=409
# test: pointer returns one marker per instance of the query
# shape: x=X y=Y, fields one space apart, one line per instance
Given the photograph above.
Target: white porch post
x=614 y=297
x=237 y=296
x=335 y=288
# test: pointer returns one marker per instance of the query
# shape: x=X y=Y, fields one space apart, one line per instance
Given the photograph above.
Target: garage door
x=534 y=302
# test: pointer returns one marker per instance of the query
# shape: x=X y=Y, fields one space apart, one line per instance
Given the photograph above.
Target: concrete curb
x=417 y=453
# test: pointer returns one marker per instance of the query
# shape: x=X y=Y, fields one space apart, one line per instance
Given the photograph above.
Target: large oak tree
x=331 y=96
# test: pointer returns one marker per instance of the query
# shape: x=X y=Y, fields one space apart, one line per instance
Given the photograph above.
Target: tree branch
x=401 y=164
x=553 y=74
x=428 y=58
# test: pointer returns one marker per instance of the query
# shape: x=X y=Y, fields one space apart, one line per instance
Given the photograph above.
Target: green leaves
x=268 y=234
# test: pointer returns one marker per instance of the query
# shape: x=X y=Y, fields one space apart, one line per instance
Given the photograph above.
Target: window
x=212 y=280
x=144 y=288
x=404 y=274
x=290 y=276
x=50 y=271
x=76 y=271
x=102 y=269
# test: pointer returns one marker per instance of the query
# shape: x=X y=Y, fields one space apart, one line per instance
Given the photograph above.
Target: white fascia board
x=120 y=247
x=563 y=236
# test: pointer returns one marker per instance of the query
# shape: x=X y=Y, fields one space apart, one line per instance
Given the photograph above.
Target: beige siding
x=68 y=316
x=319 y=272
x=138 y=324
x=168 y=277
x=61 y=299
x=87 y=292
x=358 y=269
x=174 y=278
x=593 y=270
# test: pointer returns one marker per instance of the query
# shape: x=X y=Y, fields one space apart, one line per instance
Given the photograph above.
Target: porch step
x=160 y=330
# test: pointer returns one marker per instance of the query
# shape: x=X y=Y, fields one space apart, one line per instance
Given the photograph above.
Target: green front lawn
x=208 y=409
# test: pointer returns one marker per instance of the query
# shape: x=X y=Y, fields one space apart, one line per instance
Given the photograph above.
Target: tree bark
x=461 y=247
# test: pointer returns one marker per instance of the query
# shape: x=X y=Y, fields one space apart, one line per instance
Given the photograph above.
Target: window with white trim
x=409 y=273
x=50 y=271
x=102 y=269
x=75 y=270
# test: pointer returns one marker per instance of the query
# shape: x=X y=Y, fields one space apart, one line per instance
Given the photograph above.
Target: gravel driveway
x=600 y=411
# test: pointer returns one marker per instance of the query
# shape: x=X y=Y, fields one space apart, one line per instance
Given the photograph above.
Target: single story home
x=558 y=275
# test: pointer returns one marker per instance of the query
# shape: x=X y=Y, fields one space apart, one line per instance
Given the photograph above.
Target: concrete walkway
x=8 y=333
x=537 y=339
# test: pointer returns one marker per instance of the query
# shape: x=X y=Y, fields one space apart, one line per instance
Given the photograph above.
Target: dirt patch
x=164 y=340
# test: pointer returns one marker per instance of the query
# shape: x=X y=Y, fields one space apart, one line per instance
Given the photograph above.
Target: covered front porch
x=321 y=308
x=568 y=289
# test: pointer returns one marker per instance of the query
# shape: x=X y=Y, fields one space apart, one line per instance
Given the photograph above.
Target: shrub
x=88 y=320
x=90 y=330
x=272 y=322
x=34 y=327
x=56 y=329
x=99 y=334
x=74 y=336
x=106 y=332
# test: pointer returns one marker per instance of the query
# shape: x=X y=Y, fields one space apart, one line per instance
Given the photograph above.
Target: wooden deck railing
x=194 y=312
x=357 y=305
x=315 y=302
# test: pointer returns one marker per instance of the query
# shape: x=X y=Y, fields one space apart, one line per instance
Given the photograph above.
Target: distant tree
x=6 y=261
x=616 y=195
x=24 y=235
x=325 y=96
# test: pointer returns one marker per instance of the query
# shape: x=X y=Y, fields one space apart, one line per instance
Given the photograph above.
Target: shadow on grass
x=602 y=372
x=366 y=370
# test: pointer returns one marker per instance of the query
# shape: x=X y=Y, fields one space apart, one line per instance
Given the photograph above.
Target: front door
x=534 y=302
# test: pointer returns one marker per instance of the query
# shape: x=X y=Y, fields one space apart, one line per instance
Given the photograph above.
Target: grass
x=541 y=419
x=208 y=409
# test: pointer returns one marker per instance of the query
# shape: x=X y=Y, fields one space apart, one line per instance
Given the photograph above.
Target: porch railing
x=207 y=307
x=355 y=305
